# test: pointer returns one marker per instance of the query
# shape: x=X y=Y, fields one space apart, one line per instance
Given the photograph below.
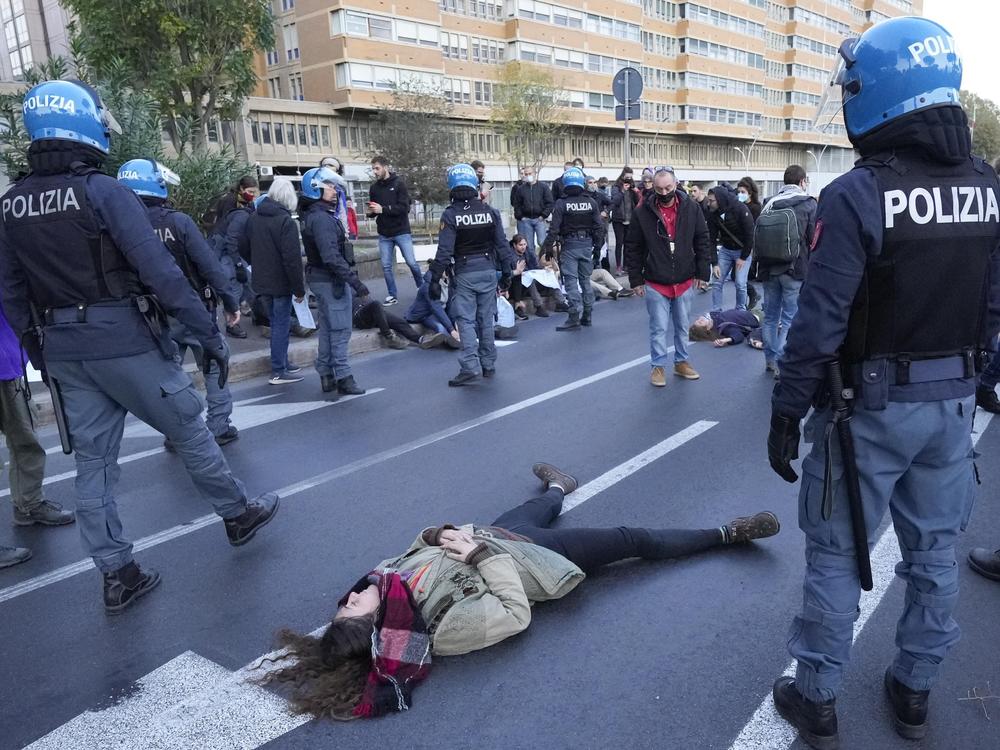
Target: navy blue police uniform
x=577 y=224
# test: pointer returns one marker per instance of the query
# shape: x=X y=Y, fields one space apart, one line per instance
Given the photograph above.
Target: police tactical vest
x=164 y=221
x=314 y=214
x=475 y=228
x=925 y=295
x=578 y=214
x=66 y=257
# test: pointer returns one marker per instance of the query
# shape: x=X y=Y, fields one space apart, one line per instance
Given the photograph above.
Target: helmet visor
x=109 y=121
x=169 y=176
x=831 y=104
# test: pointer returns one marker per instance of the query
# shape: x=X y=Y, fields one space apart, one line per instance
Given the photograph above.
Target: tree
x=986 y=130
x=194 y=57
x=414 y=133
x=526 y=109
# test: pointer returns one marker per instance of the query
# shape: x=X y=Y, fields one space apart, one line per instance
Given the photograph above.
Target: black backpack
x=776 y=235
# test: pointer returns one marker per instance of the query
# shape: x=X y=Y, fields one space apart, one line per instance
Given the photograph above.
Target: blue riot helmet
x=896 y=67
x=309 y=190
x=147 y=177
x=326 y=177
x=68 y=111
x=462 y=175
x=574 y=181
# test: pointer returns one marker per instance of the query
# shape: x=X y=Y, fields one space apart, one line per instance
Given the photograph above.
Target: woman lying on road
x=456 y=590
x=727 y=327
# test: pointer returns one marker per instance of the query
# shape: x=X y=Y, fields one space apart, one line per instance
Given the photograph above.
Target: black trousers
x=374 y=315
x=589 y=549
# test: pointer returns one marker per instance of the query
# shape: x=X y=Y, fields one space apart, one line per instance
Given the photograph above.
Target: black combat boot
x=258 y=514
x=572 y=323
x=463 y=378
x=125 y=585
x=747 y=528
x=985 y=563
x=347 y=387
x=816 y=722
x=586 y=319
x=986 y=399
x=909 y=707
x=328 y=383
x=489 y=372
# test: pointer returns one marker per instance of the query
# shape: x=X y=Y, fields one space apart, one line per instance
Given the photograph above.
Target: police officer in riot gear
x=578 y=227
x=331 y=276
x=903 y=288
x=472 y=236
x=80 y=263
x=149 y=179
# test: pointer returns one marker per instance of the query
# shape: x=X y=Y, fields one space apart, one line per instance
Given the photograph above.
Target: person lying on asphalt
x=457 y=590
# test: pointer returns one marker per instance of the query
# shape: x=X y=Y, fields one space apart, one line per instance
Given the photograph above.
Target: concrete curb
x=242 y=366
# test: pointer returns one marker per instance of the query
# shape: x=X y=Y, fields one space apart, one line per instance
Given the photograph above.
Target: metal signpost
x=627 y=88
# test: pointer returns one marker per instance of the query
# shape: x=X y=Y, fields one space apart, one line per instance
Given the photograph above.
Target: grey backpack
x=776 y=236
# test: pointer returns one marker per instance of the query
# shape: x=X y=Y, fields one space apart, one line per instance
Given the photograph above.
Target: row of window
x=721 y=52
x=811 y=45
x=382 y=27
x=295 y=89
x=662 y=9
x=824 y=22
x=721 y=116
x=575 y=19
x=567 y=58
x=659 y=44
x=707 y=82
x=723 y=20
x=280 y=133
x=457 y=47
x=491 y=10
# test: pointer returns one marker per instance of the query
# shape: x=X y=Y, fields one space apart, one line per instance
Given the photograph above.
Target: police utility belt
x=477 y=255
x=578 y=235
x=146 y=305
x=874 y=377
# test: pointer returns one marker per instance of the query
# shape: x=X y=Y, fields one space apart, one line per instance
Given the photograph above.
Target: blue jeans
x=335 y=320
x=663 y=311
x=279 y=310
x=727 y=259
x=475 y=306
x=387 y=250
x=534 y=231
x=915 y=460
x=781 y=302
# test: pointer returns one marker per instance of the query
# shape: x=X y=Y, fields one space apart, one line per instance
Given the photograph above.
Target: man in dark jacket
x=731 y=231
x=229 y=236
x=276 y=257
x=532 y=204
x=782 y=281
x=667 y=253
x=389 y=205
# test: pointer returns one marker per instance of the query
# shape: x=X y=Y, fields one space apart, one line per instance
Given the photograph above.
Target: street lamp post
x=746 y=157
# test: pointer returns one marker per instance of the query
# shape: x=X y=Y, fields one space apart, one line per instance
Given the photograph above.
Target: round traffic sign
x=634 y=85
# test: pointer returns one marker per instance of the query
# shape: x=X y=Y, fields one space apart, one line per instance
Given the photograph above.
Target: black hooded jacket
x=731 y=225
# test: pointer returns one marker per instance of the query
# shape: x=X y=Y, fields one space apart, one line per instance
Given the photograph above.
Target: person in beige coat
x=472 y=586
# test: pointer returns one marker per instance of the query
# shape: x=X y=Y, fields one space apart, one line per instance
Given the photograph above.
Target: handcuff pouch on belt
x=156 y=319
x=875 y=382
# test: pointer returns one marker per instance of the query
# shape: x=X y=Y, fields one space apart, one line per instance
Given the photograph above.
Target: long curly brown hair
x=325 y=676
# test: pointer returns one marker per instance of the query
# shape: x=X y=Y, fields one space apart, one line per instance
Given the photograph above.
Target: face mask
x=592 y=188
x=665 y=198
x=743 y=197
x=529 y=178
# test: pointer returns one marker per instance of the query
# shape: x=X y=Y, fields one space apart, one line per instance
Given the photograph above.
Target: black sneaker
x=909 y=707
x=572 y=323
x=123 y=586
x=520 y=314
x=625 y=292
x=44 y=514
x=463 y=378
x=347 y=387
x=293 y=369
x=328 y=383
x=586 y=319
x=550 y=475
x=13 y=556
x=430 y=340
x=985 y=563
x=747 y=528
x=816 y=722
x=613 y=294
x=562 y=307
x=986 y=399
x=258 y=514
x=228 y=436
x=236 y=331
x=489 y=372
x=541 y=312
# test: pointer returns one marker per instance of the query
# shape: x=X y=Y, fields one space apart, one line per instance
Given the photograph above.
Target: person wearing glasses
x=667 y=254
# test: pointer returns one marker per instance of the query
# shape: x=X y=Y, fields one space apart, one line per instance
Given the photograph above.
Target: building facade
x=730 y=86
x=33 y=31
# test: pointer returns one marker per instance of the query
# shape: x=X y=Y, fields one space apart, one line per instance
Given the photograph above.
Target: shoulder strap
x=722 y=225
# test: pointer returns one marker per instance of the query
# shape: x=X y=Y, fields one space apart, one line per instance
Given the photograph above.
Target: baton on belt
x=842 y=422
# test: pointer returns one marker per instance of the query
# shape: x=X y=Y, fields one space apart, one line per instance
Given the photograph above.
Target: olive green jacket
x=470 y=607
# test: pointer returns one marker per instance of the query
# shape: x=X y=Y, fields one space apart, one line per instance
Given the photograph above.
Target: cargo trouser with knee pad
x=97 y=395
x=914 y=459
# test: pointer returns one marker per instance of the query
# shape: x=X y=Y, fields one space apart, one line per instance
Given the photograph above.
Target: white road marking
x=68 y=571
x=623 y=470
x=766 y=730
x=193 y=702
x=504 y=343
x=245 y=417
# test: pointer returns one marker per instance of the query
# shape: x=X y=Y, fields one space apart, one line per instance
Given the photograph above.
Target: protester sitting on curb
x=607 y=286
x=431 y=313
x=728 y=327
x=457 y=590
x=393 y=331
x=27 y=457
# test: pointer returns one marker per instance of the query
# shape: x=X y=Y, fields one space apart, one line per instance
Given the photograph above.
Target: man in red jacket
x=667 y=254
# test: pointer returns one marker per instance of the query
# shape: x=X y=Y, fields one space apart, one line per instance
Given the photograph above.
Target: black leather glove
x=241 y=273
x=361 y=290
x=434 y=289
x=783 y=445
x=217 y=351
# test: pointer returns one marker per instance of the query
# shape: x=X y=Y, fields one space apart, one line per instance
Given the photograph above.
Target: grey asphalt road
x=643 y=655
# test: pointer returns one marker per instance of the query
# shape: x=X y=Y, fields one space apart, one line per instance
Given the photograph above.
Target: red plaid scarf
x=401 y=648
